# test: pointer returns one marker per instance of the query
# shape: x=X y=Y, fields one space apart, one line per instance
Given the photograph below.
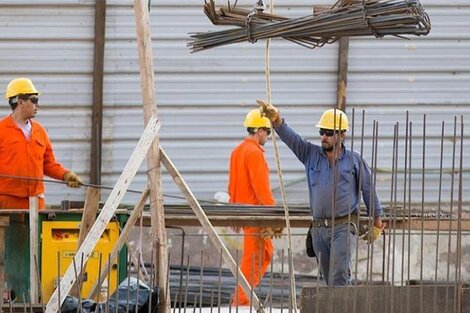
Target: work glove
x=72 y=179
x=266 y=232
x=277 y=232
x=271 y=232
x=372 y=234
x=268 y=110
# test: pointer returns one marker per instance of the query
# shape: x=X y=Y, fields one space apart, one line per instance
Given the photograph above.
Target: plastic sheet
x=122 y=301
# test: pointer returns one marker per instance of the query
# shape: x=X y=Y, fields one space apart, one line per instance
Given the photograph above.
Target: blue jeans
x=338 y=251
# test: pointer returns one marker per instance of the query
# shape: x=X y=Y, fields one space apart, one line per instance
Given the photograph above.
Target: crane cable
x=292 y=292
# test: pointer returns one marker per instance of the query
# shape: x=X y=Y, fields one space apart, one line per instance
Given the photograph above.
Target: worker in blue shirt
x=335 y=176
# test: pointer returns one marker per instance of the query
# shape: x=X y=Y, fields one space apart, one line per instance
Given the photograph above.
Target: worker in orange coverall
x=249 y=184
x=25 y=150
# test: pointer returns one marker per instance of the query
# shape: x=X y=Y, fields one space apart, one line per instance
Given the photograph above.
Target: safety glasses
x=34 y=99
x=268 y=130
x=327 y=132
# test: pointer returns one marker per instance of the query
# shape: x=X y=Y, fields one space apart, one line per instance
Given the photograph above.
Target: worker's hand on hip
x=72 y=179
x=268 y=110
x=373 y=233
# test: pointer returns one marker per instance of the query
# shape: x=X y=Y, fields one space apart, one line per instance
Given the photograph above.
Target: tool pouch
x=309 y=244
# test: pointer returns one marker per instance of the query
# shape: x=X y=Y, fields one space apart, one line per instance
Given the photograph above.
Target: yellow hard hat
x=255 y=120
x=327 y=120
x=20 y=86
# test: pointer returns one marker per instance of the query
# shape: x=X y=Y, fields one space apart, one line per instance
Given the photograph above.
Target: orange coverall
x=249 y=184
x=22 y=157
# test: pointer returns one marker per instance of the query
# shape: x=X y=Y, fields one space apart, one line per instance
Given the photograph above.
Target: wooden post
x=88 y=218
x=106 y=214
x=342 y=73
x=147 y=82
x=33 y=248
x=97 y=107
x=207 y=226
x=4 y=222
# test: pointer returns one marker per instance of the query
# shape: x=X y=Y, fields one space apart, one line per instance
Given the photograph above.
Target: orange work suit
x=22 y=157
x=249 y=184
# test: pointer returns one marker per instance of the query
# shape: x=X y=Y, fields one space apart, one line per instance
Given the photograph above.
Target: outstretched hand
x=268 y=110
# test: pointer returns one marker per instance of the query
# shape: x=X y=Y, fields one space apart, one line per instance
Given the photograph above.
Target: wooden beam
x=106 y=214
x=97 y=105
x=139 y=207
x=149 y=104
x=207 y=226
x=88 y=219
x=342 y=73
x=33 y=248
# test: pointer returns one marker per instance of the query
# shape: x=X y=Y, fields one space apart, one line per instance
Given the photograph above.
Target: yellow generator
x=59 y=245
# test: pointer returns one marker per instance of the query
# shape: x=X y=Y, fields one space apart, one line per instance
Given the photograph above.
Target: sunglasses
x=268 y=130
x=327 y=132
x=33 y=99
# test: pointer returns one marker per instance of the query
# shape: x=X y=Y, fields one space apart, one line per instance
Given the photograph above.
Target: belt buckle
x=325 y=223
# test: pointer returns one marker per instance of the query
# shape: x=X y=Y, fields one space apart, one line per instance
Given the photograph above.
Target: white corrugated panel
x=52 y=43
x=203 y=97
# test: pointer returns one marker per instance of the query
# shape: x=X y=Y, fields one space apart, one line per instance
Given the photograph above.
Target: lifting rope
x=292 y=293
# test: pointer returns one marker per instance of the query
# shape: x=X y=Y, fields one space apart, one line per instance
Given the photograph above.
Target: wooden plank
x=206 y=225
x=106 y=214
x=97 y=107
x=342 y=73
x=88 y=218
x=33 y=248
x=139 y=207
x=149 y=105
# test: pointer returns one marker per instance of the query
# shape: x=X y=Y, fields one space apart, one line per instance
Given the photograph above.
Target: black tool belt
x=328 y=222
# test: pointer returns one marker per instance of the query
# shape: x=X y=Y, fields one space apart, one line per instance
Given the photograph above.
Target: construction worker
x=335 y=175
x=249 y=184
x=26 y=151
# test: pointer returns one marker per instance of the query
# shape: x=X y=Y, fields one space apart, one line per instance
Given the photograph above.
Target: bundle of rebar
x=345 y=18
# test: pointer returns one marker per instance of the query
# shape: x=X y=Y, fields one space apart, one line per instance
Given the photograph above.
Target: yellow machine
x=59 y=242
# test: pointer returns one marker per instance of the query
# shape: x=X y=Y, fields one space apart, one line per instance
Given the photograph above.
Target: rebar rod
x=441 y=158
x=371 y=18
x=422 y=212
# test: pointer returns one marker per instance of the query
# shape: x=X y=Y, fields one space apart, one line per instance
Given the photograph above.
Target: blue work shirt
x=320 y=177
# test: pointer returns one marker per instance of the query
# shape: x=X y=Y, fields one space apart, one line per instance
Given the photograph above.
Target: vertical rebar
x=451 y=217
x=183 y=235
x=236 y=281
x=394 y=202
x=99 y=279
x=219 y=283
x=359 y=179
x=186 y=284
x=138 y=282
x=423 y=170
x=128 y=282
x=405 y=181
x=409 y=218
x=282 y=281
x=108 y=282
x=58 y=282
x=201 y=282
x=77 y=284
x=438 y=216
x=458 y=254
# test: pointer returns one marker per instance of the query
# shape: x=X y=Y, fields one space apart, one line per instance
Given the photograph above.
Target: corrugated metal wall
x=202 y=98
